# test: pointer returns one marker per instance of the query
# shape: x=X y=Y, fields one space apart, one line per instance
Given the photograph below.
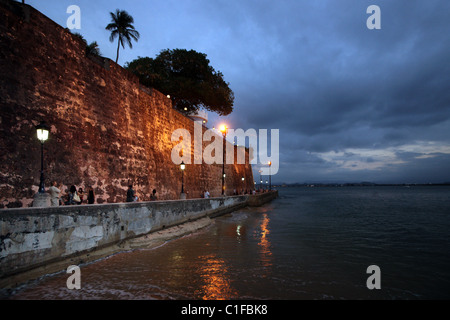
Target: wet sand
x=158 y=238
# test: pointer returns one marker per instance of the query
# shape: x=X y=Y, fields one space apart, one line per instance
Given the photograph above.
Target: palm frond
x=121 y=26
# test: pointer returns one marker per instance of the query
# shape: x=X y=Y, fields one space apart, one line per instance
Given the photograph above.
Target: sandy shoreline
x=150 y=241
x=158 y=238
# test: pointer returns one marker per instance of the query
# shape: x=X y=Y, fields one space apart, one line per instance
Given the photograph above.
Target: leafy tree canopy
x=188 y=78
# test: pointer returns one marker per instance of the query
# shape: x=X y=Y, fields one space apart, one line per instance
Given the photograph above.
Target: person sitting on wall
x=130 y=194
x=153 y=196
x=73 y=197
x=81 y=194
x=76 y=196
x=207 y=195
x=69 y=199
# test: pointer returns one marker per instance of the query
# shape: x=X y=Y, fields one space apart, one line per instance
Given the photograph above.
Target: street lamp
x=42 y=199
x=42 y=134
x=260 y=179
x=182 y=167
x=223 y=128
x=270 y=176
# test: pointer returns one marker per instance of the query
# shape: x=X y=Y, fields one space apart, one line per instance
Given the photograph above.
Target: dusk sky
x=351 y=104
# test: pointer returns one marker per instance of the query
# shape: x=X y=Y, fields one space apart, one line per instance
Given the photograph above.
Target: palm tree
x=122 y=26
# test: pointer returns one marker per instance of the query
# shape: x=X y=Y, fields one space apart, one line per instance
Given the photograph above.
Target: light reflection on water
x=208 y=265
x=264 y=244
x=216 y=283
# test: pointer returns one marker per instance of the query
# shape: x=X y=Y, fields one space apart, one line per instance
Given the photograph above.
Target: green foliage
x=91 y=49
x=188 y=78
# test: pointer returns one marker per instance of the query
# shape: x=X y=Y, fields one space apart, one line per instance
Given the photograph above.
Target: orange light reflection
x=264 y=243
x=216 y=285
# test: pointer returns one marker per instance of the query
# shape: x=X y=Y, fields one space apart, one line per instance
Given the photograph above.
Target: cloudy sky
x=351 y=104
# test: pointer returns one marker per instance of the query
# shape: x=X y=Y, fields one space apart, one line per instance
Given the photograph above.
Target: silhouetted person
x=130 y=194
x=73 y=196
x=153 y=196
x=81 y=194
x=91 y=196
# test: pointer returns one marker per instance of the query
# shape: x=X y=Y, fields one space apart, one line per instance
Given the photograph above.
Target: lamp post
x=260 y=180
x=182 y=167
x=243 y=184
x=42 y=199
x=270 y=175
x=223 y=129
x=42 y=134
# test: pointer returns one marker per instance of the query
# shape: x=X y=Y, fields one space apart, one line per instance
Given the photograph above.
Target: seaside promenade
x=39 y=241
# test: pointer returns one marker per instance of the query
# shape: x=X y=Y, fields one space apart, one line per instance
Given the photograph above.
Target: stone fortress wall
x=107 y=131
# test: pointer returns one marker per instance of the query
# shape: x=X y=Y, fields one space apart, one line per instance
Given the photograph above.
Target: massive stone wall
x=107 y=131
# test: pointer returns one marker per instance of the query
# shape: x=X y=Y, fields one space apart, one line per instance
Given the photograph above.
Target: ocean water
x=310 y=243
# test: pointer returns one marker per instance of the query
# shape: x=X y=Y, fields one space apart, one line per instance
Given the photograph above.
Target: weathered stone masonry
x=106 y=130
